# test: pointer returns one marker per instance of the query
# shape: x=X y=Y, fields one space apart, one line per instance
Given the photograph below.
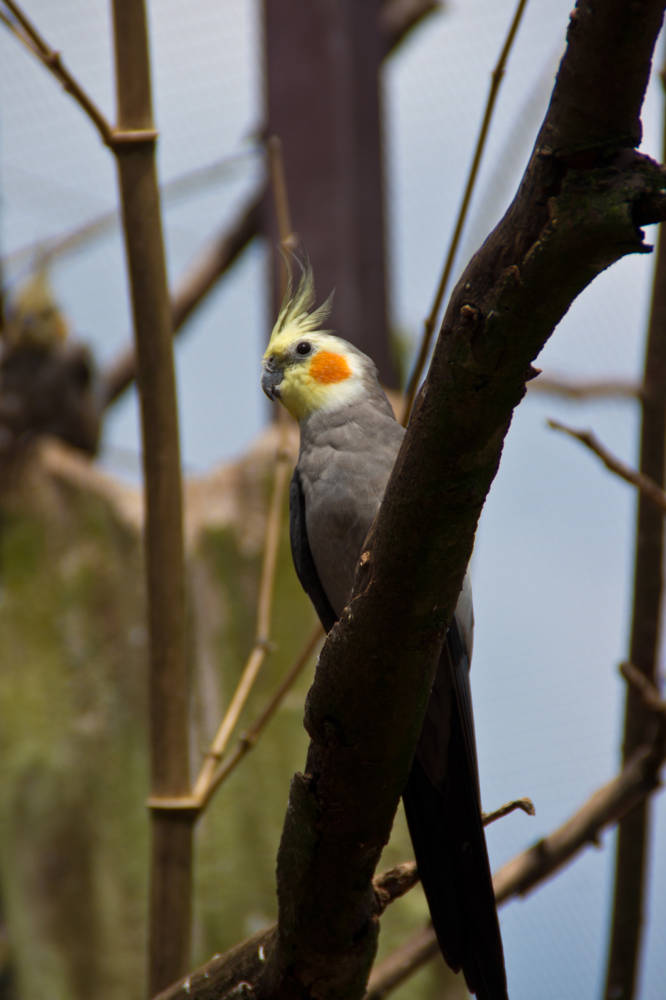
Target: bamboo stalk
x=171 y=831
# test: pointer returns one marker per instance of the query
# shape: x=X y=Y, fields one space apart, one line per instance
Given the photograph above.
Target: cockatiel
x=349 y=439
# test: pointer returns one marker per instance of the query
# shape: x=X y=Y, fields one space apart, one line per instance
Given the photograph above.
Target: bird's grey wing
x=302 y=555
x=443 y=809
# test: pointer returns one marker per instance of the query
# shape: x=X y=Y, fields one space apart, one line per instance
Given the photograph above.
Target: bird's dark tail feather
x=444 y=817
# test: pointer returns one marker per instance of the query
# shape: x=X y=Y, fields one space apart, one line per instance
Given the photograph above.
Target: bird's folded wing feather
x=443 y=811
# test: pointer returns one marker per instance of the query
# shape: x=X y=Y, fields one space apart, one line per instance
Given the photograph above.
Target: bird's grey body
x=344 y=464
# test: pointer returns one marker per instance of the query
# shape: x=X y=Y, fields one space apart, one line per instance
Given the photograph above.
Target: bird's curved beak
x=271 y=377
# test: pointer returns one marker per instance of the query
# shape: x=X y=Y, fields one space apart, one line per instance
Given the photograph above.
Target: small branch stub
x=525 y=805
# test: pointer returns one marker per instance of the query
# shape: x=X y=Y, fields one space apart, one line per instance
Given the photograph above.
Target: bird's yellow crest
x=296 y=315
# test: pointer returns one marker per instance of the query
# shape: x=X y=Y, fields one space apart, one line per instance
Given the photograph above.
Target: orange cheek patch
x=328 y=367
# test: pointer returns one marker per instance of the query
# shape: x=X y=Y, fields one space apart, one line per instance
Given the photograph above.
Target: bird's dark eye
x=303 y=348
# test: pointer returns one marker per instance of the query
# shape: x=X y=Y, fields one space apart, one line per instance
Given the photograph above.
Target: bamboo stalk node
x=173 y=803
x=120 y=137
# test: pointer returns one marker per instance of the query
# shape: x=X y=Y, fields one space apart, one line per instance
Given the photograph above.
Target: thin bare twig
x=646 y=486
x=525 y=804
x=431 y=320
x=31 y=37
x=582 y=389
x=398 y=17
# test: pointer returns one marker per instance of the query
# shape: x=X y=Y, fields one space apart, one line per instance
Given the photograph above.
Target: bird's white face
x=310 y=372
